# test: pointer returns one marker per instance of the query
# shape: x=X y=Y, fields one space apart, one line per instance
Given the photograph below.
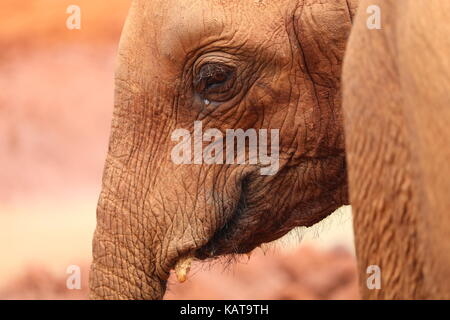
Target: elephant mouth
x=237 y=234
x=222 y=242
x=224 y=239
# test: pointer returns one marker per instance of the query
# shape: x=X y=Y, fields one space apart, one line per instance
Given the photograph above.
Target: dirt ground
x=56 y=98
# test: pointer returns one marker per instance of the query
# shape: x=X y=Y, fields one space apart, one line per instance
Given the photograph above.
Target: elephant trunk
x=129 y=259
x=122 y=268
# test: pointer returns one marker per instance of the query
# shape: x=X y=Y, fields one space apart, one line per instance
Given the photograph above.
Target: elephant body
x=396 y=103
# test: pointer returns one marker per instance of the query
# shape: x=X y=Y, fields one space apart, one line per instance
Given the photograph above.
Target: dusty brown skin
x=283 y=62
x=396 y=102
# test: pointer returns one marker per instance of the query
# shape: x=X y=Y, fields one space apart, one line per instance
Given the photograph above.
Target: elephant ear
x=322 y=30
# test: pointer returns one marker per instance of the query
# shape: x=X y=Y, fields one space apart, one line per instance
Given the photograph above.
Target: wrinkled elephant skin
x=229 y=64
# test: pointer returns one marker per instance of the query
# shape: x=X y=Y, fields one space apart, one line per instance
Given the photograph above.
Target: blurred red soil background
x=56 y=98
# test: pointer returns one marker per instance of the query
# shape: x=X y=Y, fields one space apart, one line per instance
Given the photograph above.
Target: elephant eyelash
x=214 y=81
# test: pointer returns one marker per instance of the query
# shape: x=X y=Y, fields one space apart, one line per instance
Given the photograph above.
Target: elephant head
x=199 y=69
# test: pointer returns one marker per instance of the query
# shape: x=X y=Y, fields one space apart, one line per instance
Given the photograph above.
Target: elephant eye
x=213 y=81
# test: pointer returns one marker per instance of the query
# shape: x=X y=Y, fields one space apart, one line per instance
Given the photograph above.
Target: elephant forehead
x=188 y=26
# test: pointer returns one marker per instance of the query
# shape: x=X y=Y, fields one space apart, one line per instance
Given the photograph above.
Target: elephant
x=396 y=106
x=263 y=65
x=209 y=67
